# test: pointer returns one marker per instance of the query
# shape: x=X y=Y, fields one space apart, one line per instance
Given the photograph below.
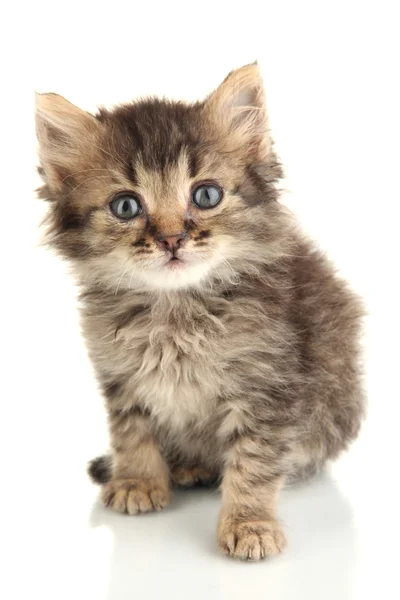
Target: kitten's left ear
x=238 y=109
x=65 y=133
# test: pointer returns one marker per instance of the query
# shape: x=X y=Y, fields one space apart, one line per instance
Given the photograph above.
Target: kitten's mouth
x=175 y=263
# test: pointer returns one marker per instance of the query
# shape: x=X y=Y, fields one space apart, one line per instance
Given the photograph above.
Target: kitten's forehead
x=156 y=134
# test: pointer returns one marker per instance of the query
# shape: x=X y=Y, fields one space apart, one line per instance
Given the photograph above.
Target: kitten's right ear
x=64 y=132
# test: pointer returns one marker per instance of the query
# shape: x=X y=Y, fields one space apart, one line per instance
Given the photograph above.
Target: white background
x=331 y=71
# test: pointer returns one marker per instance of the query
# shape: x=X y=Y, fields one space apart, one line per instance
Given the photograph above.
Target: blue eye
x=207 y=195
x=126 y=207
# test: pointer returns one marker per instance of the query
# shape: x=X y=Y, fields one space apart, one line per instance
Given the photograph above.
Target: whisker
x=226 y=262
x=83 y=171
x=123 y=273
x=122 y=164
x=87 y=180
x=115 y=156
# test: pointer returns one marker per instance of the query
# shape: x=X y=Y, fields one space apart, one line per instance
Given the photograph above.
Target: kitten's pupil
x=125 y=206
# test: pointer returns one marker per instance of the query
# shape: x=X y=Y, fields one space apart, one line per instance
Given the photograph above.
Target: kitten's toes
x=250 y=540
x=134 y=496
x=188 y=477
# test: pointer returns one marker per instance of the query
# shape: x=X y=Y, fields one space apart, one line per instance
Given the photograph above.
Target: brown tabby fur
x=243 y=365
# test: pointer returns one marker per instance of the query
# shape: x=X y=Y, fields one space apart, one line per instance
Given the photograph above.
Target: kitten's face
x=157 y=195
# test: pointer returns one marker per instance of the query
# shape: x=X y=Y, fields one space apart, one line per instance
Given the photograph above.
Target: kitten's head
x=158 y=194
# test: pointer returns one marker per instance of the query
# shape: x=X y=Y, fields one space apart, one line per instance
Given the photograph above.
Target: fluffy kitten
x=224 y=344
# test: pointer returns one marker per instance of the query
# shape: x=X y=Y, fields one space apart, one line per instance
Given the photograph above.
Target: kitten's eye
x=126 y=207
x=207 y=195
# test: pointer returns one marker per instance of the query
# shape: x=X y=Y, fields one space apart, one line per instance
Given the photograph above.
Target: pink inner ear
x=246 y=97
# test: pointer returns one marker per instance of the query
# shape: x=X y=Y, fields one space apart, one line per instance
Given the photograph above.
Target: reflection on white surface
x=176 y=549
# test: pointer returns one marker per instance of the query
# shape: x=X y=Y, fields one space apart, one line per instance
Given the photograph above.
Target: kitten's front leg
x=247 y=527
x=140 y=477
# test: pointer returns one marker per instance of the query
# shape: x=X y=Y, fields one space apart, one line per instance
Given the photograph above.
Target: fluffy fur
x=241 y=363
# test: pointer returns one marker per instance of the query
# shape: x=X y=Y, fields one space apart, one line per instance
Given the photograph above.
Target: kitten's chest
x=178 y=366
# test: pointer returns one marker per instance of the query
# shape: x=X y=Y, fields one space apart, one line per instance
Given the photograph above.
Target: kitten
x=225 y=345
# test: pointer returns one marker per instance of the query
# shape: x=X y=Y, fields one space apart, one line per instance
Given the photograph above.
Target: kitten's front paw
x=134 y=496
x=250 y=540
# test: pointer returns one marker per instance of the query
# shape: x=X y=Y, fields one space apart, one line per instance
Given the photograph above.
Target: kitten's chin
x=176 y=275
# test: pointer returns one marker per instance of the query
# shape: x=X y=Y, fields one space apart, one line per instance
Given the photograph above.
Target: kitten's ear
x=238 y=108
x=64 y=132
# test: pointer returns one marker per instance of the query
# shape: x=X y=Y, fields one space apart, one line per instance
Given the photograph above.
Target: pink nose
x=171 y=243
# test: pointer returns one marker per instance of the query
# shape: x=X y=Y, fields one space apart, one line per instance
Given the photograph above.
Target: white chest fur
x=181 y=372
x=175 y=362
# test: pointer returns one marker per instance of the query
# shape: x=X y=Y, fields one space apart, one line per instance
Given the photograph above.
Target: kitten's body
x=188 y=359
x=241 y=362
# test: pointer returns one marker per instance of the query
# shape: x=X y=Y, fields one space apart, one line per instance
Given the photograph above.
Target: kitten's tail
x=99 y=469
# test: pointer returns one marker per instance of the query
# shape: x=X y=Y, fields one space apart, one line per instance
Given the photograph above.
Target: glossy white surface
x=331 y=74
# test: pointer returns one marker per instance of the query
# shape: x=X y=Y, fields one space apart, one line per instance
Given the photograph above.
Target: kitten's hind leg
x=192 y=476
